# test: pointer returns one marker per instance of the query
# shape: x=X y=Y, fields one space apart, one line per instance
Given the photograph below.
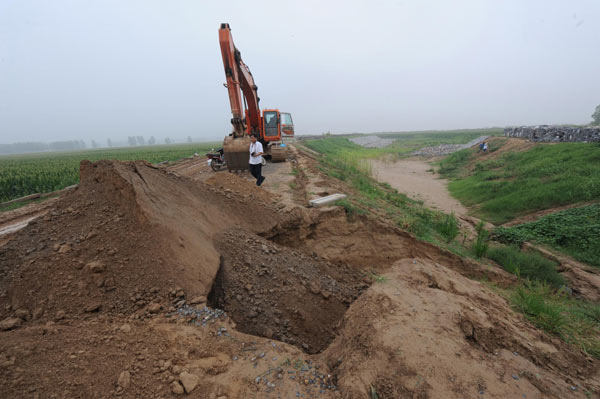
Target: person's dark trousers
x=256 y=171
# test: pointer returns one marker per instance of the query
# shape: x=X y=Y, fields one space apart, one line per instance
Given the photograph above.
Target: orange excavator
x=270 y=127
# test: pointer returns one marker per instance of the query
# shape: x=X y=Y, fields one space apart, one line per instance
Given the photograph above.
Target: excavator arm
x=239 y=83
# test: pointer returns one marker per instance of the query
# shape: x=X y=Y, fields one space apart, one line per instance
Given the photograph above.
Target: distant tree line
x=22 y=148
x=19 y=148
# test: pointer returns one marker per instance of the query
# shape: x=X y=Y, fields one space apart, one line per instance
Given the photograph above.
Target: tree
x=189 y=139
x=596 y=116
x=151 y=140
x=109 y=143
x=140 y=140
x=131 y=140
x=167 y=141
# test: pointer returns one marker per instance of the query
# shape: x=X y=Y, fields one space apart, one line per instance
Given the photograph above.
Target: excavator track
x=278 y=153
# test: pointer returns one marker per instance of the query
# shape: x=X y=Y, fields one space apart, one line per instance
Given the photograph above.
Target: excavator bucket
x=237 y=152
x=278 y=153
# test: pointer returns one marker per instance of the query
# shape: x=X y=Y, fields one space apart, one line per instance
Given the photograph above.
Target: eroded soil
x=173 y=281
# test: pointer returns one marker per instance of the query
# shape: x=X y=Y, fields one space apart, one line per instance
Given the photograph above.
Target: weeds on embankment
x=528 y=265
x=410 y=215
x=517 y=183
x=541 y=295
x=576 y=322
x=574 y=231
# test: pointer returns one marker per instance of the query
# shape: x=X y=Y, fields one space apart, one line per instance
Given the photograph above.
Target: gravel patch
x=445 y=149
x=371 y=141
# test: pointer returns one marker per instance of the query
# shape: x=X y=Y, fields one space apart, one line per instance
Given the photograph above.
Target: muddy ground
x=172 y=281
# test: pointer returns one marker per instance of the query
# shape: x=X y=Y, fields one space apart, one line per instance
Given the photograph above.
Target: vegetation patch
x=528 y=265
x=574 y=231
x=21 y=175
x=576 y=322
x=517 y=183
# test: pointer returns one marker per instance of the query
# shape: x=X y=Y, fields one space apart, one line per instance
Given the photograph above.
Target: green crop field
x=22 y=175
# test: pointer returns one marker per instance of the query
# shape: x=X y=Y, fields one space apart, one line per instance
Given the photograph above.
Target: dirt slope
x=128 y=229
x=428 y=332
x=145 y=283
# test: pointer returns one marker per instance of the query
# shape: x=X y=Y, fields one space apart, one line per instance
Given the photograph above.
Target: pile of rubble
x=445 y=149
x=555 y=134
x=371 y=141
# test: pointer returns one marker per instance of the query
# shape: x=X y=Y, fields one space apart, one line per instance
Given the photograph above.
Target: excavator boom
x=246 y=117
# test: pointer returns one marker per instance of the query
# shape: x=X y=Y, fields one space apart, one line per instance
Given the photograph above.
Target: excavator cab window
x=271 y=124
x=287 y=125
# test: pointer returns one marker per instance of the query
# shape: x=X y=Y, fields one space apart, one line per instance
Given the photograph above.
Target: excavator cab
x=277 y=125
x=271 y=125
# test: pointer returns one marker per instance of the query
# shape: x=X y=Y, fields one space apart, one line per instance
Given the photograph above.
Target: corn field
x=21 y=175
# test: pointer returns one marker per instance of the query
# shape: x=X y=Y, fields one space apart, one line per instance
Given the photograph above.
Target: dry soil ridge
x=104 y=293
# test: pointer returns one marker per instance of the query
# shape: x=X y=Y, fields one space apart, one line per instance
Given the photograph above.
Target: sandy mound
x=144 y=283
x=126 y=238
x=428 y=332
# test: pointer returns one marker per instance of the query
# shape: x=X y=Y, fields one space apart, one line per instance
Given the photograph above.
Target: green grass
x=346 y=161
x=574 y=231
x=448 y=228
x=528 y=265
x=21 y=175
x=576 y=322
x=481 y=244
x=538 y=297
x=517 y=183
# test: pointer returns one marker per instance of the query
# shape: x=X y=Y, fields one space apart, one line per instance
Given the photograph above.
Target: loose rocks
x=189 y=381
x=10 y=323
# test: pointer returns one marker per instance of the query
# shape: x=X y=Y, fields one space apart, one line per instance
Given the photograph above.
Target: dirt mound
x=105 y=296
x=128 y=236
x=428 y=332
x=276 y=292
x=366 y=244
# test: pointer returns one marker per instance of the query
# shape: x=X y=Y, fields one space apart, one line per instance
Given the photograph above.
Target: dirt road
x=414 y=178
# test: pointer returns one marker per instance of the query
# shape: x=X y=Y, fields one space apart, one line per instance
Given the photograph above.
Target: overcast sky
x=97 y=69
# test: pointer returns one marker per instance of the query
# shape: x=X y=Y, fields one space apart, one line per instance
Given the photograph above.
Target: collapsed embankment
x=128 y=276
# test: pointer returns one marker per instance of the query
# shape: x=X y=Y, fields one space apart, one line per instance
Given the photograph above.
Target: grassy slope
x=22 y=175
x=575 y=231
x=518 y=183
x=540 y=296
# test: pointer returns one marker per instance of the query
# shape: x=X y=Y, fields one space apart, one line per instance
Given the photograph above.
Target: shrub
x=480 y=246
x=448 y=228
x=532 y=300
x=530 y=265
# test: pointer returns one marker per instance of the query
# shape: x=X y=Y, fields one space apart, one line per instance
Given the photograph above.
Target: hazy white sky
x=93 y=69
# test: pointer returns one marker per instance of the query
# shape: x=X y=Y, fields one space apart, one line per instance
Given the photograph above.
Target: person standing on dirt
x=485 y=147
x=256 y=153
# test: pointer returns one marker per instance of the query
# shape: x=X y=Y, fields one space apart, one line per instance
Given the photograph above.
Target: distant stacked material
x=445 y=149
x=555 y=134
x=371 y=141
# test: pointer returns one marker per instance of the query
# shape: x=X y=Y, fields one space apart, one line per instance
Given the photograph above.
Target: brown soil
x=146 y=281
x=414 y=177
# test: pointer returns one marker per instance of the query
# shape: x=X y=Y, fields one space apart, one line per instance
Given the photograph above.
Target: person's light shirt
x=256 y=148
